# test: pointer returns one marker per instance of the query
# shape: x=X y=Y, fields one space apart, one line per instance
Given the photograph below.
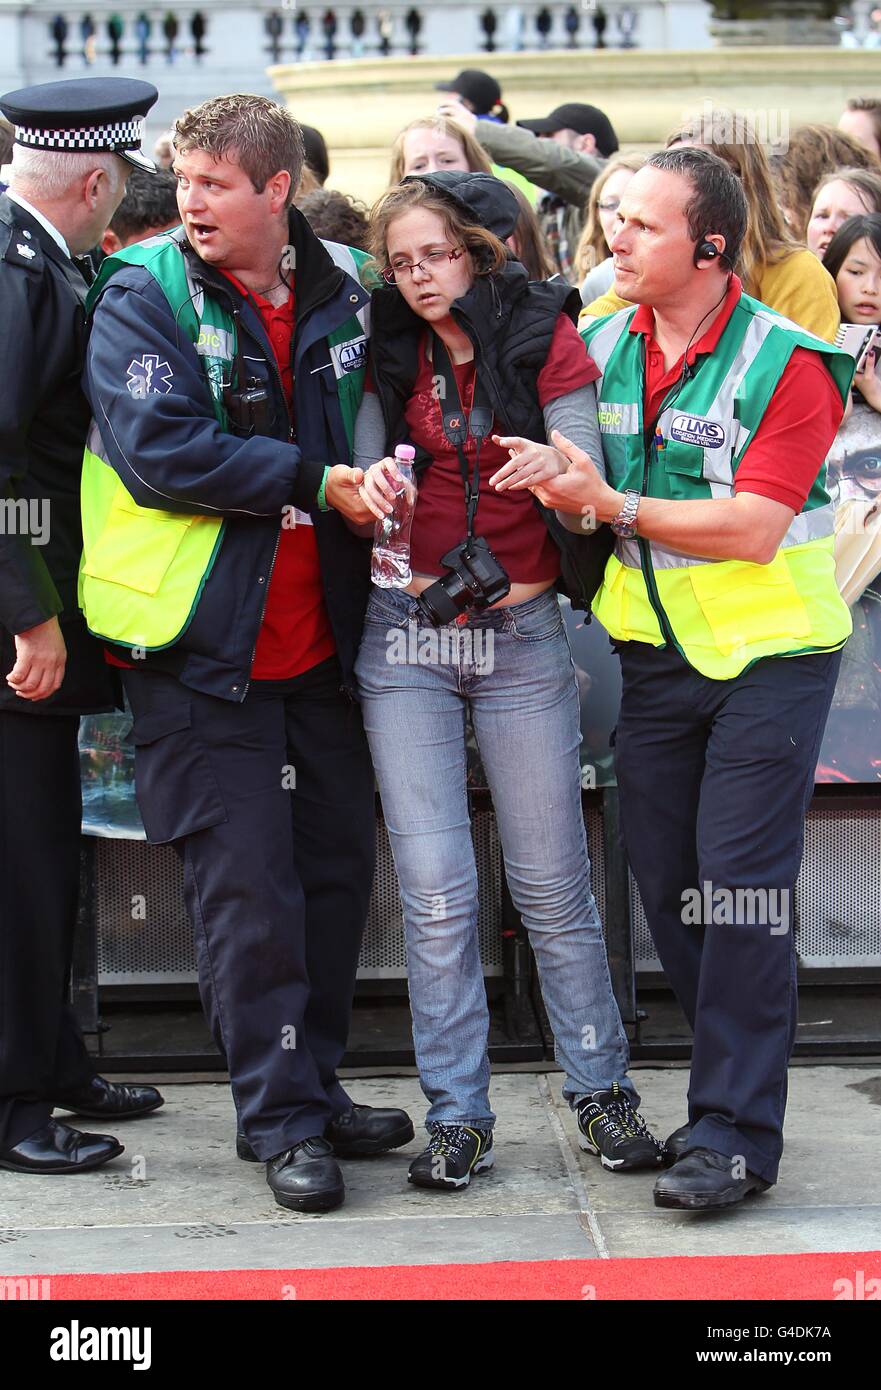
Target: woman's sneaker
x=454 y=1152
x=611 y=1127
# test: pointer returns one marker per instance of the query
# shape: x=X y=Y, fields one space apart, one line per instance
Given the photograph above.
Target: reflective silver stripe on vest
x=718 y=469
x=782 y=322
x=342 y=256
x=617 y=418
x=808 y=526
x=197 y=295
x=662 y=557
x=811 y=526
x=606 y=338
x=614 y=417
x=214 y=342
x=95 y=444
x=223 y=344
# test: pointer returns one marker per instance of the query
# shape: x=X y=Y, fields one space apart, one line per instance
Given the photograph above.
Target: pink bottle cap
x=405 y=452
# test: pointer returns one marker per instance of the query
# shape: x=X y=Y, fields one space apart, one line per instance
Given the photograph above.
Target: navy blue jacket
x=169 y=452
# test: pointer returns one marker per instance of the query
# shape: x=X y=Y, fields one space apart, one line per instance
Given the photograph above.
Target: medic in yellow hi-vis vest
x=143 y=569
x=716 y=415
x=721 y=614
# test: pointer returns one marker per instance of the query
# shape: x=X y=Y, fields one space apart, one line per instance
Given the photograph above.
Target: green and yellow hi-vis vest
x=722 y=615
x=143 y=569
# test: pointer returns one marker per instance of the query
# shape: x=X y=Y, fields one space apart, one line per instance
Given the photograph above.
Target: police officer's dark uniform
x=43 y=421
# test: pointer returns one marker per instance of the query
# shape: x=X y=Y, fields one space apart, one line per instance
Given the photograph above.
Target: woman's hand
x=377 y=491
x=453 y=110
x=868 y=384
x=528 y=465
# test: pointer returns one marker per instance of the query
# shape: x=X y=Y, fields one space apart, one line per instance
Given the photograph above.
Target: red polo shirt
x=799 y=423
x=295 y=633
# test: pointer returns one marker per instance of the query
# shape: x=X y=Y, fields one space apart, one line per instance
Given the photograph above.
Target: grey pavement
x=180 y=1199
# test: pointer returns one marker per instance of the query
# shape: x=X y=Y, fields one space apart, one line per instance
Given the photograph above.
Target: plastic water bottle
x=390 y=565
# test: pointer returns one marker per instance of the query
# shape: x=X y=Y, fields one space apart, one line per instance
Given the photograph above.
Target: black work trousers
x=270 y=804
x=715 y=778
x=42 y=1053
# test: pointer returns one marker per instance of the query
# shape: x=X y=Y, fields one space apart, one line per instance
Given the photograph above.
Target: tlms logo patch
x=351 y=355
x=694 y=429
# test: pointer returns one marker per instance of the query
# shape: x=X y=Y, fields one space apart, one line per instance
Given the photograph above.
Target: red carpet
x=819 y=1276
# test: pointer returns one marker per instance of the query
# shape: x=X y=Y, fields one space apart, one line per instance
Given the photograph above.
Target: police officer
x=717 y=415
x=74 y=143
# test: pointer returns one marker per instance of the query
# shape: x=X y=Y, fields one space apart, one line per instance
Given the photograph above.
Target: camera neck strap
x=458 y=426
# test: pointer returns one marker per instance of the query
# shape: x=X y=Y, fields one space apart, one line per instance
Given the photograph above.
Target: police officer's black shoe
x=675 y=1146
x=110 y=1100
x=56 y=1148
x=367 y=1130
x=364 y=1132
x=306 y=1177
x=704 y=1180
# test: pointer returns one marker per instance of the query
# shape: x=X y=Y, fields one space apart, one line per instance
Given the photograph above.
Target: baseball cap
x=586 y=120
x=481 y=197
x=477 y=87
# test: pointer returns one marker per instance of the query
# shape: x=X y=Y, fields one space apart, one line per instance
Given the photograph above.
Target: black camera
x=476 y=580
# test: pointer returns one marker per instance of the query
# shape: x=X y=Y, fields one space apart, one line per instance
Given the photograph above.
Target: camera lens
x=442 y=602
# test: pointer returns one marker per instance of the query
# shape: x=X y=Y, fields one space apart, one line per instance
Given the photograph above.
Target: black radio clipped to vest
x=248 y=408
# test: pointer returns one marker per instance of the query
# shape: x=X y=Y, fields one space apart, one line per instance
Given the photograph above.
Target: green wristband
x=323 y=504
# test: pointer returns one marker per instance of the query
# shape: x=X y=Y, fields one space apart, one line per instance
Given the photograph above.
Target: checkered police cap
x=100 y=114
x=128 y=134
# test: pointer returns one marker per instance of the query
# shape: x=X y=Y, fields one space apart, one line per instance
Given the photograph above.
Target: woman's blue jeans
x=511 y=669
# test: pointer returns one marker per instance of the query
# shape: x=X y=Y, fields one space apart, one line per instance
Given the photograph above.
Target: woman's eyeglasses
x=428 y=264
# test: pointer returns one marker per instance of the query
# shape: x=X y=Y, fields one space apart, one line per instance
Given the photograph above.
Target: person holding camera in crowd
x=460 y=335
x=218 y=569
x=721 y=601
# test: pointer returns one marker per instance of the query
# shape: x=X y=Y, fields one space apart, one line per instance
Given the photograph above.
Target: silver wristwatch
x=624 y=524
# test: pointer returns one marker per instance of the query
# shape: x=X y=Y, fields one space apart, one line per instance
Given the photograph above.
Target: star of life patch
x=148 y=375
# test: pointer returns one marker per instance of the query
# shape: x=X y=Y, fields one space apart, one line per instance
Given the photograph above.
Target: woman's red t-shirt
x=509 y=521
